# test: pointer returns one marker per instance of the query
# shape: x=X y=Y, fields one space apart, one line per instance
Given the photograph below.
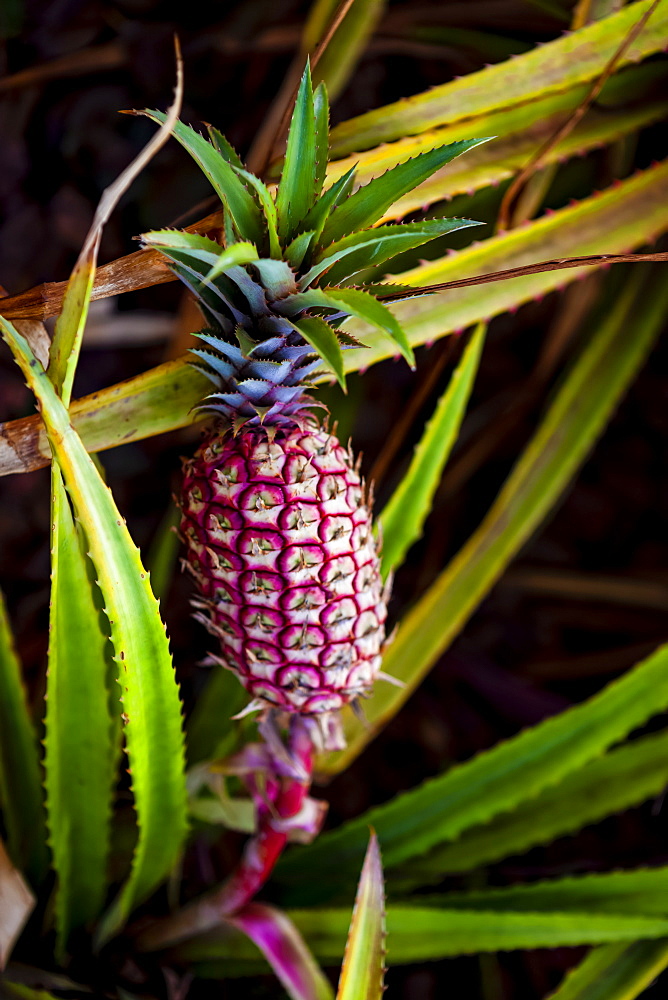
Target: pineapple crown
x=276 y=289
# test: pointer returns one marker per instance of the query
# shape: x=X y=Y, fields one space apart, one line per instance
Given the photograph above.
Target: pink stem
x=283 y=799
x=265 y=848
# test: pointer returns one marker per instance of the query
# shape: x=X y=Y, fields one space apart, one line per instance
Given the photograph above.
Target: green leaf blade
x=321 y=337
x=366 y=206
x=373 y=247
x=80 y=757
x=151 y=703
x=403 y=516
x=224 y=179
x=622 y=779
x=297 y=187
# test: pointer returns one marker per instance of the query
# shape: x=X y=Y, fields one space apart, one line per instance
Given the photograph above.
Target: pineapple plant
x=276 y=518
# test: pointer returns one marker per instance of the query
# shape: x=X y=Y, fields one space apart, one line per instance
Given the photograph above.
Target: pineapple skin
x=279 y=540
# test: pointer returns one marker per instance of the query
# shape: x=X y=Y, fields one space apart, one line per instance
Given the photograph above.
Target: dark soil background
x=585 y=599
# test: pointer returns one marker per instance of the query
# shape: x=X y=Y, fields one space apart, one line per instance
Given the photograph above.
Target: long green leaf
x=573 y=59
x=369 y=203
x=493 y=782
x=20 y=778
x=162 y=399
x=615 y=972
x=376 y=246
x=296 y=189
x=224 y=179
x=364 y=962
x=643 y=892
x=80 y=757
x=422 y=934
x=151 y=703
x=403 y=516
x=623 y=778
x=573 y=422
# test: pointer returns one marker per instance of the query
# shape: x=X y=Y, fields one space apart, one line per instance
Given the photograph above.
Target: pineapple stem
x=281 y=796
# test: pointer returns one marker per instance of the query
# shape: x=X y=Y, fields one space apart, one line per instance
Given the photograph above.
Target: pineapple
x=276 y=519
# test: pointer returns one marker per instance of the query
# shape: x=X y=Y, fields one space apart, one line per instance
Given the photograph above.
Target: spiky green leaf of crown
x=277 y=288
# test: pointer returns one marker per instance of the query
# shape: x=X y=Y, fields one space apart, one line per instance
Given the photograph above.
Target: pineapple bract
x=275 y=516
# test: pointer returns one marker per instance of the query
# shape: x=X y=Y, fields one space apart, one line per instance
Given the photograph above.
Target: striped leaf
x=162 y=399
x=223 y=178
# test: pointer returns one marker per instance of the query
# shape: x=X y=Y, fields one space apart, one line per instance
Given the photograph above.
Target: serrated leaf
x=376 y=246
x=643 y=892
x=364 y=962
x=151 y=703
x=320 y=336
x=422 y=934
x=224 y=147
x=268 y=207
x=296 y=251
x=623 y=778
x=572 y=59
x=21 y=797
x=615 y=972
x=80 y=758
x=403 y=517
x=370 y=202
x=224 y=179
x=493 y=782
x=333 y=196
x=200 y=252
x=297 y=187
x=321 y=119
x=353 y=302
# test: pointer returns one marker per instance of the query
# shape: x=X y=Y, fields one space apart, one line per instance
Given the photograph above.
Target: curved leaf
x=151 y=703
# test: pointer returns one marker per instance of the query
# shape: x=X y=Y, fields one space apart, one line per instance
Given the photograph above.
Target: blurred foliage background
x=587 y=597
